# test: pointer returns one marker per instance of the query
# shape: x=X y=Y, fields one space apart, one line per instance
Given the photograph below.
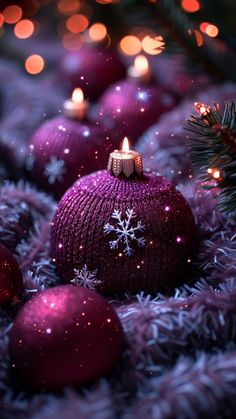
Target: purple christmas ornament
x=119 y=235
x=67 y=147
x=129 y=108
x=93 y=69
x=64 y=336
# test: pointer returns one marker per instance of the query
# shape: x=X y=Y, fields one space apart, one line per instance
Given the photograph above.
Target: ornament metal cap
x=125 y=162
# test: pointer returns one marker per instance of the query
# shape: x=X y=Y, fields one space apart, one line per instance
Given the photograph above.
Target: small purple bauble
x=92 y=69
x=66 y=335
x=11 y=281
x=62 y=150
x=119 y=235
x=129 y=109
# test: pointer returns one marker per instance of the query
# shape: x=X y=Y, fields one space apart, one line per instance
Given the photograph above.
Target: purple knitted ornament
x=93 y=69
x=119 y=235
x=129 y=108
x=63 y=149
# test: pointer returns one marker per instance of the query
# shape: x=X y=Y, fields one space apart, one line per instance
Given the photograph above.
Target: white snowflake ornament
x=54 y=170
x=85 y=278
x=124 y=231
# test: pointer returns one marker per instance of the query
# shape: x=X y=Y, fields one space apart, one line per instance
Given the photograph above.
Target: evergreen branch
x=182 y=30
x=212 y=141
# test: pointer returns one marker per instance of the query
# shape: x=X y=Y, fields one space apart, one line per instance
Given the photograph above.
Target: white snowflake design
x=55 y=170
x=85 y=278
x=124 y=231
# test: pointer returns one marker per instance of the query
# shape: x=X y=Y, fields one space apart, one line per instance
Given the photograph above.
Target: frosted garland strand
x=161 y=331
x=191 y=391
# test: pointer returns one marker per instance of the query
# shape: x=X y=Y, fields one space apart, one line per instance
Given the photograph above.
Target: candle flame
x=141 y=64
x=77 y=95
x=125 y=146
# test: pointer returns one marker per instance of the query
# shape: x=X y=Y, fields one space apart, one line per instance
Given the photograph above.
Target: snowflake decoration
x=124 y=231
x=85 y=278
x=55 y=170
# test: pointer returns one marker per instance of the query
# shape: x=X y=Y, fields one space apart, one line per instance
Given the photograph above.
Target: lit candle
x=125 y=162
x=76 y=107
x=140 y=71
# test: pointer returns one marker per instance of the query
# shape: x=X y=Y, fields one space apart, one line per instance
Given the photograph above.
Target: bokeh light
x=107 y=1
x=77 y=23
x=1 y=20
x=153 y=45
x=190 y=6
x=68 y=7
x=97 y=32
x=130 y=45
x=72 y=41
x=24 y=29
x=209 y=29
x=34 y=64
x=12 y=14
x=199 y=38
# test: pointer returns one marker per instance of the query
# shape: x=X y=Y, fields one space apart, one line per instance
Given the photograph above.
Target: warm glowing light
x=1 y=20
x=72 y=41
x=153 y=45
x=141 y=64
x=130 y=45
x=201 y=108
x=97 y=32
x=215 y=173
x=68 y=7
x=77 y=95
x=190 y=6
x=125 y=146
x=212 y=30
x=24 y=29
x=209 y=29
x=12 y=14
x=199 y=38
x=77 y=23
x=34 y=64
x=107 y=1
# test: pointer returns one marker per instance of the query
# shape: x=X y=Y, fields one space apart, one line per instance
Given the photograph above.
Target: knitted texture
x=87 y=232
x=61 y=150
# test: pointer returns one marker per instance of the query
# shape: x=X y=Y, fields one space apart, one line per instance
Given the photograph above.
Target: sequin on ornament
x=55 y=170
x=124 y=231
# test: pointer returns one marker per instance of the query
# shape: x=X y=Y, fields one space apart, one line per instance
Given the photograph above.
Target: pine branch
x=212 y=141
x=217 y=59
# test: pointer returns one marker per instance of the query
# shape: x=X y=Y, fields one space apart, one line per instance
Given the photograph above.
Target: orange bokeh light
x=199 y=38
x=12 y=14
x=190 y=6
x=107 y=1
x=77 y=23
x=153 y=45
x=130 y=45
x=34 y=64
x=68 y=7
x=1 y=20
x=72 y=41
x=97 y=32
x=24 y=29
x=209 y=29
